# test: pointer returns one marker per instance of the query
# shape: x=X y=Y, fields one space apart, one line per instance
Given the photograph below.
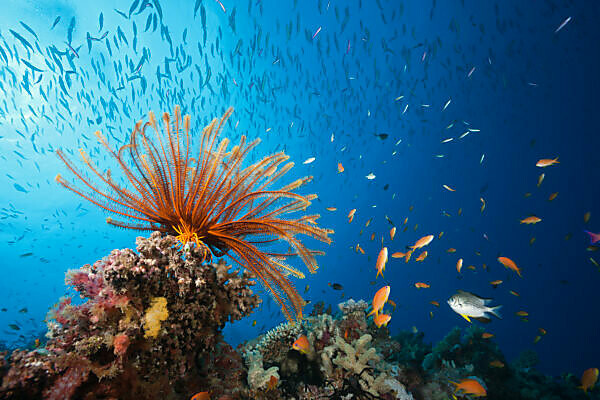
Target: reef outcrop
x=149 y=327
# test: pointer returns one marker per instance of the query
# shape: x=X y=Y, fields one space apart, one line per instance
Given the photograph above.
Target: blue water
x=532 y=95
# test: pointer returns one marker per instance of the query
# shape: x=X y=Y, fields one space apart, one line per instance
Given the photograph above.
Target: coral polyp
x=211 y=201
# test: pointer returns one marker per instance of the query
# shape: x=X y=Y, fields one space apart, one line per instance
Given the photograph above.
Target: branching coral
x=276 y=343
x=209 y=201
x=258 y=377
x=359 y=359
x=336 y=366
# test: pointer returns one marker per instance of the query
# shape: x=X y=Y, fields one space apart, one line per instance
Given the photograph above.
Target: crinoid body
x=210 y=201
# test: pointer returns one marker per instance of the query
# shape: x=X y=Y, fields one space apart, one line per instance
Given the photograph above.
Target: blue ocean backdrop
x=407 y=96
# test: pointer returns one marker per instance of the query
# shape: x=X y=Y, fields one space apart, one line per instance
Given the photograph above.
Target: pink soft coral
x=120 y=343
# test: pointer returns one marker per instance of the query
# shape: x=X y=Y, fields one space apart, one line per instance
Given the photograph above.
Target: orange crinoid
x=210 y=201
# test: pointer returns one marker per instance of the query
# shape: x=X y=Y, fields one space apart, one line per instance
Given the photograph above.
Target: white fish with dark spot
x=468 y=306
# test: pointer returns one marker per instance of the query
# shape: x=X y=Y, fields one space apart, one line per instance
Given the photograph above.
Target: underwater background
x=378 y=86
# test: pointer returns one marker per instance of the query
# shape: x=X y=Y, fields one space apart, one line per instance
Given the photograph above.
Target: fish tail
x=556 y=160
x=594 y=237
x=496 y=311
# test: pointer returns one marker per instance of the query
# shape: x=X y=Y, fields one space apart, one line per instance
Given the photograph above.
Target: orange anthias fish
x=546 y=162
x=510 y=264
x=422 y=285
x=351 y=214
x=422 y=256
x=522 y=314
x=381 y=260
x=448 y=188
x=379 y=300
x=497 y=364
x=381 y=319
x=301 y=344
x=470 y=386
x=435 y=303
x=392 y=233
x=459 y=265
x=201 y=396
x=398 y=254
x=424 y=241
x=496 y=283
x=589 y=379
x=530 y=220
x=541 y=179
x=487 y=335
x=340 y=168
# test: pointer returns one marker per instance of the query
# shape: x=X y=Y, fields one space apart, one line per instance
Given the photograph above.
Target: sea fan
x=209 y=201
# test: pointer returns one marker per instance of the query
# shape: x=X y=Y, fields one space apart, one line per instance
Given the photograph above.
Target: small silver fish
x=468 y=305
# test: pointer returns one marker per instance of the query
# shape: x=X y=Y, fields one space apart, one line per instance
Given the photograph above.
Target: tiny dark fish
x=336 y=286
x=382 y=136
x=28 y=28
x=19 y=188
x=56 y=21
x=26 y=255
x=23 y=310
x=14 y=327
x=70 y=31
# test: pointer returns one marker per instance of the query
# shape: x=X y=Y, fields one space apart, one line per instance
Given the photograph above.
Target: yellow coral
x=154 y=316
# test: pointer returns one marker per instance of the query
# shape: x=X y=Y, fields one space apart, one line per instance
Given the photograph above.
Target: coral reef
x=343 y=360
x=149 y=328
x=149 y=323
x=350 y=358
